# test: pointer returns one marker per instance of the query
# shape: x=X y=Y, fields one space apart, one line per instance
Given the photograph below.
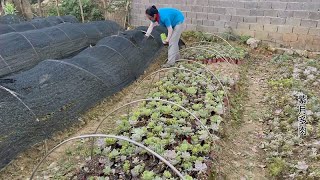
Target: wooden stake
x=126 y=19
x=105 y=9
x=57 y=7
x=81 y=10
x=40 y=9
x=22 y=10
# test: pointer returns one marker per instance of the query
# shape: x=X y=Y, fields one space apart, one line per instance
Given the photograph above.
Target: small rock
x=288 y=52
x=303 y=53
x=52 y=165
x=316 y=144
x=292 y=175
x=236 y=164
x=254 y=149
x=262 y=166
x=302 y=166
x=272 y=49
x=253 y=43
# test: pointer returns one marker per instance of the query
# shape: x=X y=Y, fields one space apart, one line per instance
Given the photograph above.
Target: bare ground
x=240 y=156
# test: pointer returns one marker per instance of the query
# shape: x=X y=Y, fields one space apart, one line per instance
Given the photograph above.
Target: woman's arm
x=170 y=31
x=151 y=26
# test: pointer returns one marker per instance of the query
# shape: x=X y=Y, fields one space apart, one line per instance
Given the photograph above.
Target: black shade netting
x=37 y=23
x=11 y=19
x=22 y=50
x=57 y=92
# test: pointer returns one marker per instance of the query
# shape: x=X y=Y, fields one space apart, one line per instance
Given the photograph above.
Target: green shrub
x=91 y=11
x=277 y=166
x=244 y=39
x=9 y=8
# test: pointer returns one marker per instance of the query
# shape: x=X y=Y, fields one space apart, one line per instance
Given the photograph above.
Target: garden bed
x=290 y=155
x=181 y=121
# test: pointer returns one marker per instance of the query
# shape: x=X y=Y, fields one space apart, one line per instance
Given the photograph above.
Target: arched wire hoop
x=183 y=69
x=208 y=43
x=211 y=44
x=210 y=48
x=5 y=62
x=200 y=48
x=165 y=69
x=12 y=28
x=14 y=94
x=20 y=33
x=122 y=37
x=210 y=72
x=77 y=67
x=159 y=100
x=199 y=43
x=107 y=136
x=221 y=39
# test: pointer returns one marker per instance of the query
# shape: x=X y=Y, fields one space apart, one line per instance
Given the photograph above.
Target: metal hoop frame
x=107 y=136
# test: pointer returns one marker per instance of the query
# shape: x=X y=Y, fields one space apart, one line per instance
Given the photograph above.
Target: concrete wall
x=294 y=23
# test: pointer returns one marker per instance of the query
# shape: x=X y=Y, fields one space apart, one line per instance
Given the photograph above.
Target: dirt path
x=241 y=156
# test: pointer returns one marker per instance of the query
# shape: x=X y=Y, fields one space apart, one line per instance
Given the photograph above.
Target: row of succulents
x=291 y=156
x=166 y=129
x=212 y=53
x=210 y=48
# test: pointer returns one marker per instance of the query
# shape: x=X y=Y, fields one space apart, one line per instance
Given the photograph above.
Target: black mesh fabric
x=10 y=19
x=22 y=50
x=57 y=92
x=36 y=23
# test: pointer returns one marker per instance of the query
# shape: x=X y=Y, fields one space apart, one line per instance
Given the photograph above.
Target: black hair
x=151 y=11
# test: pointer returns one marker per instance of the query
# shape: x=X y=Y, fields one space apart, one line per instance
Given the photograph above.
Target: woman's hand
x=165 y=42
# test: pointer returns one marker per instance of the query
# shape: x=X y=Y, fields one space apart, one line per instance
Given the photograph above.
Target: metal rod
x=209 y=71
x=161 y=100
x=108 y=136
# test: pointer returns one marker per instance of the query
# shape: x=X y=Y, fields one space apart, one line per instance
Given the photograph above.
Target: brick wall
x=294 y=23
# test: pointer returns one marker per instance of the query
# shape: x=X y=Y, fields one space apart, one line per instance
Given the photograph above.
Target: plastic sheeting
x=23 y=50
x=37 y=23
x=52 y=95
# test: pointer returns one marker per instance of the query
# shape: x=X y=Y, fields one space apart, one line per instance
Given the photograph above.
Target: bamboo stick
x=57 y=7
x=81 y=10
